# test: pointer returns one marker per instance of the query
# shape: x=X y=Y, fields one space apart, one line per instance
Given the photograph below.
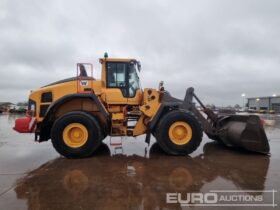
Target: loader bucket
x=242 y=131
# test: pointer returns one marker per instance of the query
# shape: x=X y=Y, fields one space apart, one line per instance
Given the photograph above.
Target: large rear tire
x=76 y=135
x=179 y=132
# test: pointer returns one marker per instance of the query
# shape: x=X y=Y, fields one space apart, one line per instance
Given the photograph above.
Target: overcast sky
x=221 y=48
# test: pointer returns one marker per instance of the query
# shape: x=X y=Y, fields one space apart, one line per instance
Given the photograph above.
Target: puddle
x=137 y=176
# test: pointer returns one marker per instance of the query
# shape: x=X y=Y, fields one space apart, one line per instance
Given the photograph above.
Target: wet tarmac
x=137 y=176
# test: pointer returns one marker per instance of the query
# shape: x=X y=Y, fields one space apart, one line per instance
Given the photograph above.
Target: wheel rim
x=75 y=135
x=180 y=133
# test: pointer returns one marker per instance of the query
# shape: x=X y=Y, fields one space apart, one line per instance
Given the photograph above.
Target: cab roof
x=101 y=60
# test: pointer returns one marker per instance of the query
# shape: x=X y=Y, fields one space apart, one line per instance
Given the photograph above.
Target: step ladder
x=118 y=148
x=116 y=143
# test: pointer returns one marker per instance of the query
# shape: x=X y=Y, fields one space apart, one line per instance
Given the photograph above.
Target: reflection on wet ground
x=33 y=176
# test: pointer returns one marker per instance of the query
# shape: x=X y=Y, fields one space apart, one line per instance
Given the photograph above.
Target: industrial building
x=265 y=103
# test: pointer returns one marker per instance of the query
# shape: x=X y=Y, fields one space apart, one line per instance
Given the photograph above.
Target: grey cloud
x=222 y=48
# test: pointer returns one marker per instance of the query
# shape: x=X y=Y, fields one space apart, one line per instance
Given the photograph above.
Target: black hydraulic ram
x=242 y=131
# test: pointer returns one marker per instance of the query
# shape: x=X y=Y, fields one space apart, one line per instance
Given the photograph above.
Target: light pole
x=243 y=95
x=270 y=106
x=258 y=108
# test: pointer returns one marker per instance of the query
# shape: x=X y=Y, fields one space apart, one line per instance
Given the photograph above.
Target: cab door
x=122 y=84
x=116 y=79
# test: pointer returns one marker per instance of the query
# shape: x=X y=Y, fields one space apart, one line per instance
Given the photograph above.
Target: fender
x=163 y=109
x=45 y=125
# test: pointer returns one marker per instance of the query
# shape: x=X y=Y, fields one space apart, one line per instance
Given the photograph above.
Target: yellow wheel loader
x=79 y=112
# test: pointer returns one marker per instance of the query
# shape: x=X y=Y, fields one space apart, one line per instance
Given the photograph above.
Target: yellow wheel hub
x=75 y=135
x=180 y=133
x=180 y=178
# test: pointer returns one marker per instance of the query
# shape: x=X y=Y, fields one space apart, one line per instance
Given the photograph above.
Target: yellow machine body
x=143 y=104
x=79 y=112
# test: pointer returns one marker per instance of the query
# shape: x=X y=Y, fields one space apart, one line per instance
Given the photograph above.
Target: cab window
x=133 y=80
x=116 y=74
x=123 y=76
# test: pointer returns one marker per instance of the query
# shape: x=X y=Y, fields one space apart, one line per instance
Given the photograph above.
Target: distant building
x=6 y=106
x=265 y=103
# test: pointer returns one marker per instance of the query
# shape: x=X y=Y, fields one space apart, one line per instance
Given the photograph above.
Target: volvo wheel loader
x=79 y=112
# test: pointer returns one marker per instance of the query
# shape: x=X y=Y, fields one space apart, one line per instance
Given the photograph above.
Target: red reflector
x=25 y=125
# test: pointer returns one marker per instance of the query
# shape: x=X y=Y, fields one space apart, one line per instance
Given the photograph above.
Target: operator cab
x=121 y=80
x=123 y=75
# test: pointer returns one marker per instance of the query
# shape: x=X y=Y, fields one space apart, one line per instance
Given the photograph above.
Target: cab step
x=116 y=141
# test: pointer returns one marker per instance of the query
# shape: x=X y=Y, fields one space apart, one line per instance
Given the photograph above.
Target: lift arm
x=188 y=104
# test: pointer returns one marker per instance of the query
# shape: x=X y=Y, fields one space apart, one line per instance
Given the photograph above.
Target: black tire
x=162 y=133
x=104 y=131
x=94 y=135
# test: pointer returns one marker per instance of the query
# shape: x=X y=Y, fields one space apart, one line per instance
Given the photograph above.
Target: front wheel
x=179 y=133
x=76 y=135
